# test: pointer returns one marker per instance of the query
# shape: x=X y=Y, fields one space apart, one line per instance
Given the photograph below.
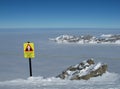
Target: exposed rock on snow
x=103 y=39
x=84 y=70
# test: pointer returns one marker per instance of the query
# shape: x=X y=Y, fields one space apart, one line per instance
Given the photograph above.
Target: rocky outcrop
x=88 y=39
x=84 y=70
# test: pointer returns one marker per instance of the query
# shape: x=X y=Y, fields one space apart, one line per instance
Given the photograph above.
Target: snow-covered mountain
x=88 y=39
x=84 y=70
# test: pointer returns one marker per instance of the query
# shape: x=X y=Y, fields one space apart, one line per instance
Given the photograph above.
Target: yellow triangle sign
x=29 y=50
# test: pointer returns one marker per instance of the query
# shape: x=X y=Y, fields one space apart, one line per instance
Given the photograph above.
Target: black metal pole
x=30 y=67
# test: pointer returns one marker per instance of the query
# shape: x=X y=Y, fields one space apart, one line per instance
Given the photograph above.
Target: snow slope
x=107 y=81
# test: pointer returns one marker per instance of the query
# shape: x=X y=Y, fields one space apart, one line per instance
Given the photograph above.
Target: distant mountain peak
x=88 y=39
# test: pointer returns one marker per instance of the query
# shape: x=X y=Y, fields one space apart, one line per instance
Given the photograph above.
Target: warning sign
x=29 y=50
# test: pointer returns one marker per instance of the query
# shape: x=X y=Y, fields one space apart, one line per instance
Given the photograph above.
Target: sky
x=59 y=13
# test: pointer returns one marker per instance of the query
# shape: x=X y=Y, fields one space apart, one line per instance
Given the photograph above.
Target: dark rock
x=84 y=70
x=90 y=61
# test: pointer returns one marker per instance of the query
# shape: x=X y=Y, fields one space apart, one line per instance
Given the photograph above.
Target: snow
x=117 y=42
x=97 y=66
x=84 y=71
x=106 y=35
x=81 y=41
x=93 y=42
x=107 y=81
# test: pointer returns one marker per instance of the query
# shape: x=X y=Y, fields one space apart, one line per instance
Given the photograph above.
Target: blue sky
x=59 y=13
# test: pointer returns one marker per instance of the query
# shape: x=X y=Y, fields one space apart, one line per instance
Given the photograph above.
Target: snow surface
x=97 y=66
x=106 y=35
x=107 y=81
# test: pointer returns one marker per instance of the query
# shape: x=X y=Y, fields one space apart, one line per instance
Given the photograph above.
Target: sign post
x=30 y=66
x=29 y=53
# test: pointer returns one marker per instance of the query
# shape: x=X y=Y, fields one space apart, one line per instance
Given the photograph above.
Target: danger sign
x=29 y=50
